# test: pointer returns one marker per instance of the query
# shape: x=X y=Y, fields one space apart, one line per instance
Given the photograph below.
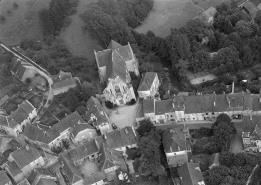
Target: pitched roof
x=105 y=158
x=25 y=155
x=148 y=106
x=114 y=59
x=256 y=134
x=83 y=151
x=118 y=138
x=163 y=106
x=46 y=181
x=70 y=83
x=19 y=115
x=190 y=173
x=62 y=75
x=251 y=8
x=4 y=178
x=116 y=68
x=71 y=171
x=210 y=12
x=38 y=173
x=24 y=182
x=95 y=108
x=173 y=141
x=178 y=103
x=13 y=168
x=27 y=107
x=95 y=177
x=69 y=121
x=3 y=121
x=147 y=81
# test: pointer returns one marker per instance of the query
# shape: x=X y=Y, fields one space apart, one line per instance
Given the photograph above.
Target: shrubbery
x=109 y=104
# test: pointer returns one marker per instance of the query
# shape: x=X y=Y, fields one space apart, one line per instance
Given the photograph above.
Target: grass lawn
x=79 y=43
x=197 y=78
x=167 y=14
x=22 y=22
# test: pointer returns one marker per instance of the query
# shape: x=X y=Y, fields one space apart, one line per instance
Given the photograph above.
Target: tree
x=227 y=159
x=109 y=104
x=150 y=156
x=246 y=56
x=244 y=29
x=223 y=24
x=240 y=159
x=203 y=59
x=28 y=80
x=145 y=127
x=133 y=153
x=258 y=18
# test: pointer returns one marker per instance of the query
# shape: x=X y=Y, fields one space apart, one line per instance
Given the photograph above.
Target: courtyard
x=89 y=168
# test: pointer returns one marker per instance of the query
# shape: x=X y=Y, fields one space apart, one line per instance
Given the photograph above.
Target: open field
x=22 y=22
x=167 y=14
x=197 y=78
x=79 y=43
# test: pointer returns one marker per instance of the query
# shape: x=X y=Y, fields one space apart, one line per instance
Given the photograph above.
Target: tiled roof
x=95 y=177
x=39 y=172
x=4 y=179
x=148 y=106
x=147 y=81
x=114 y=45
x=71 y=171
x=3 y=121
x=46 y=181
x=13 y=168
x=118 y=138
x=70 y=83
x=27 y=107
x=173 y=141
x=95 y=108
x=24 y=182
x=190 y=173
x=178 y=103
x=104 y=57
x=83 y=151
x=163 y=106
x=105 y=158
x=255 y=102
x=25 y=155
x=251 y=8
x=19 y=115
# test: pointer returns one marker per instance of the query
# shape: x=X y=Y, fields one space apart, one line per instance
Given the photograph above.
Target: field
x=79 y=43
x=21 y=22
x=167 y=14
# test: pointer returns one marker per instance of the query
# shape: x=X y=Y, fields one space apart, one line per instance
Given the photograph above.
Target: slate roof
x=4 y=178
x=13 y=168
x=114 y=59
x=173 y=141
x=116 y=68
x=25 y=155
x=95 y=108
x=84 y=150
x=147 y=81
x=148 y=106
x=190 y=174
x=118 y=138
x=105 y=158
x=163 y=106
x=71 y=171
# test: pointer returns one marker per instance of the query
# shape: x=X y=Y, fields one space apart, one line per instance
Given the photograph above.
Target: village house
x=97 y=116
x=202 y=107
x=251 y=133
x=22 y=70
x=64 y=81
x=190 y=174
x=42 y=176
x=114 y=65
x=70 y=171
x=4 y=179
x=71 y=127
x=176 y=147
x=25 y=182
x=149 y=85
x=95 y=178
x=249 y=8
x=22 y=162
x=14 y=123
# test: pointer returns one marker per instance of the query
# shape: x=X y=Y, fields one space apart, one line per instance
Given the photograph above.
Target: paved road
x=43 y=73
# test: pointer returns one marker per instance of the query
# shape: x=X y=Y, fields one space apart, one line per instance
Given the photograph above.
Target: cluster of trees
x=52 y=19
x=59 y=148
x=75 y=99
x=235 y=169
x=54 y=56
x=149 y=157
x=220 y=135
x=256 y=180
x=135 y=11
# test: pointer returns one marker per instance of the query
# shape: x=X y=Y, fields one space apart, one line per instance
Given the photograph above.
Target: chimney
x=233 y=88
x=134 y=132
x=178 y=148
x=105 y=137
x=126 y=131
x=170 y=149
x=228 y=101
